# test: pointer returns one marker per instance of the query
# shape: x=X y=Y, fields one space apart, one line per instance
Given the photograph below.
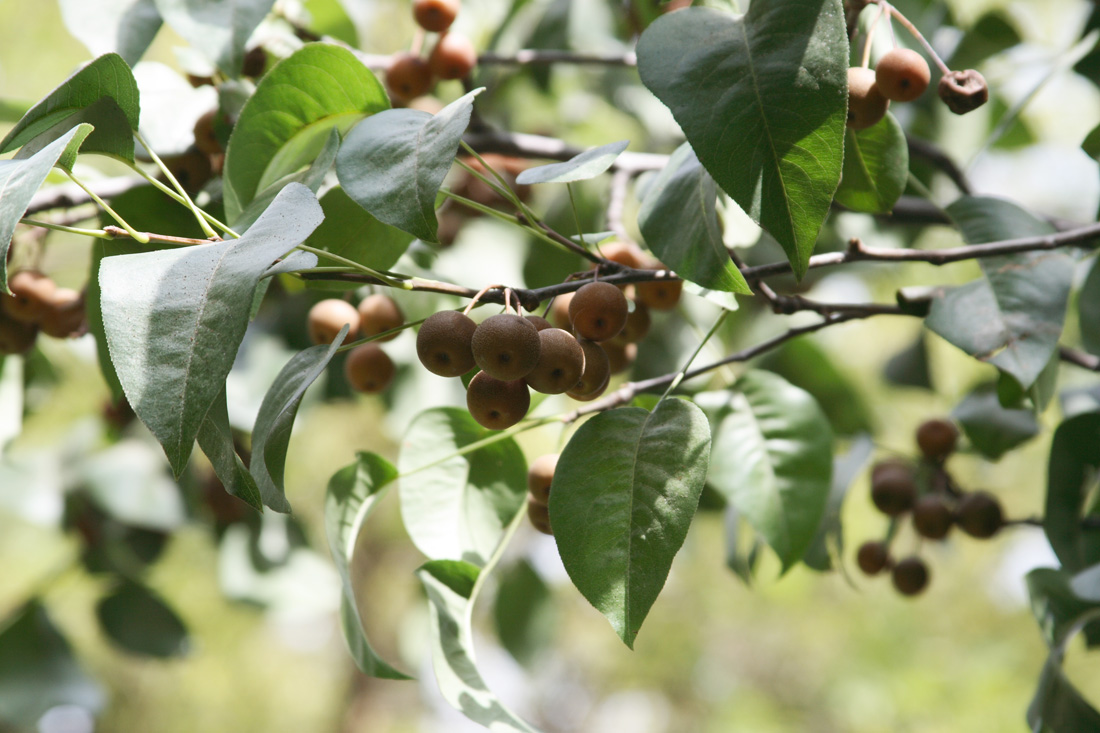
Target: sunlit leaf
x=580 y=167
x=126 y=27
x=876 y=167
x=217 y=28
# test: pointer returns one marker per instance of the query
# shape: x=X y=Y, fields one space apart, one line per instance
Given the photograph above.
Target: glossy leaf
x=523 y=612
x=350 y=231
x=217 y=28
x=679 y=221
x=625 y=490
x=992 y=429
x=216 y=441
x=1088 y=309
x=772 y=459
x=140 y=622
x=580 y=167
x=450 y=585
x=174 y=318
x=458 y=508
x=353 y=493
x=1071 y=477
x=393 y=163
x=126 y=27
x=762 y=98
x=876 y=167
x=287 y=122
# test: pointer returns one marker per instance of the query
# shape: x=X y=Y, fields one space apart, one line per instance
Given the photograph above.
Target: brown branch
x=1079 y=358
x=545 y=57
x=522 y=145
x=120 y=233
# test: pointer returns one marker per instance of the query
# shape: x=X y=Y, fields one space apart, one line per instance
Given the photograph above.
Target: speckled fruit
x=506 y=346
x=902 y=75
x=497 y=404
x=453 y=57
x=539 y=514
x=369 y=369
x=31 y=291
x=435 y=15
x=540 y=474
x=379 y=313
x=408 y=76
x=328 y=316
x=560 y=364
x=443 y=343
x=598 y=311
x=866 y=105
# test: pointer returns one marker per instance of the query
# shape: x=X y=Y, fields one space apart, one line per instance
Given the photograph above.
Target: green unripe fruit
x=540 y=474
x=443 y=343
x=598 y=311
x=369 y=369
x=560 y=364
x=497 y=404
x=327 y=317
x=506 y=346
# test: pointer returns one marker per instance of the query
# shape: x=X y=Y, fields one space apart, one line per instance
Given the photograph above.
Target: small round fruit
x=937 y=439
x=620 y=357
x=255 y=62
x=637 y=325
x=435 y=16
x=453 y=57
x=64 y=314
x=932 y=518
x=910 y=576
x=597 y=369
x=902 y=75
x=579 y=396
x=559 y=312
x=379 y=313
x=598 y=311
x=979 y=514
x=497 y=404
x=539 y=514
x=16 y=337
x=369 y=369
x=873 y=557
x=206 y=140
x=443 y=343
x=560 y=364
x=866 y=105
x=659 y=295
x=540 y=323
x=328 y=316
x=963 y=91
x=191 y=168
x=540 y=474
x=506 y=346
x=623 y=253
x=30 y=296
x=408 y=76
x=893 y=488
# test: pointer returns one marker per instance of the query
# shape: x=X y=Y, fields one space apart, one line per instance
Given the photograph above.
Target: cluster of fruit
x=896 y=489
x=901 y=75
x=368 y=368
x=37 y=305
x=453 y=57
x=540 y=474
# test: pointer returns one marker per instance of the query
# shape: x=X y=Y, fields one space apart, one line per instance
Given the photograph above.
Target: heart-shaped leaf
x=580 y=167
x=123 y=26
x=139 y=621
x=174 y=318
x=679 y=220
x=350 y=231
x=762 y=98
x=216 y=440
x=393 y=163
x=217 y=28
x=876 y=167
x=625 y=490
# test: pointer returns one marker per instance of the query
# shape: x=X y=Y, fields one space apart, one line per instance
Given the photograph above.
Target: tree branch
x=1079 y=358
x=545 y=57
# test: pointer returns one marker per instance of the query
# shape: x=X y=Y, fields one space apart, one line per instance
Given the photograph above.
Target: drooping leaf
x=393 y=163
x=992 y=429
x=762 y=98
x=580 y=167
x=217 y=28
x=625 y=490
x=523 y=612
x=350 y=231
x=139 y=621
x=679 y=221
x=1036 y=397
x=287 y=122
x=458 y=508
x=216 y=441
x=772 y=459
x=876 y=167
x=1057 y=706
x=828 y=541
x=174 y=318
x=126 y=27
x=1057 y=607
x=909 y=367
x=353 y=493
x=450 y=585
x=1088 y=309
x=1071 y=477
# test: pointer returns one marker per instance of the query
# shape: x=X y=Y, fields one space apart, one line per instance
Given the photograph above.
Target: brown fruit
x=408 y=76
x=540 y=474
x=598 y=311
x=497 y=404
x=540 y=323
x=660 y=295
x=932 y=518
x=453 y=57
x=369 y=369
x=328 y=316
x=902 y=75
x=506 y=346
x=205 y=138
x=910 y=576
x=620 y=357
x=435 y=15
x=963 y=91
x=379 y=313
x=443 y=343
x=893 y=488
x=30 y=296
x=873 y=557
x=579 y=396
x=64 y=314
x=559 y=312
x=937 y=439
x=866 y=104
x=624 y=253
x=16 y=337
x=597 y=371
x=560 y=364
x=637 y=325
x=979 y=514
x=539 y=514
x=255 y=62
x=192 y=169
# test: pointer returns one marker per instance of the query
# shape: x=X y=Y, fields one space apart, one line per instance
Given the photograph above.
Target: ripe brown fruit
x=660 y=295
x=539 y=514
x=192 y=169
x=963 y=91
x=16 y=337
x=873 y=557
x=453 y=57
x=624 y=253
x=255 y=62
x=540 y=474
x=379 y=313
x=866 y=104
x=369 y=369
x=31 y=291
x=497 y=404
x=932 y=518
x=328 y=316
x=560 y=364
x=64 y=314
x=910 y=576
x=435 y=16
x=637 y=325
x=598 y=311
x=893 y=488
x=579 y=396
x=506 y=346
x=597 y=371
x=979 y=514
x=206 y=140
x=559 y=312
x=620 y=356
x=902 y=75
x=443 y=343
x=408 y=76
x=540 y=323
x=937 y=439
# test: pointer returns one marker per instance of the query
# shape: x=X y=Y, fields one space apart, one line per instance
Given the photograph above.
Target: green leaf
x=271 y=435
x=38 y=670
x=772 y=459
x=353 y=493
x=1012 y=317
x=393 y=163
x=350 y=231
x=828 y=541
x=523 y=612
x=580 y=167
x=140 y=622
x=1057 y=706
x=19 y=180
x=1071 y=478
x=216 y=440
x=762 y=98
x=679 y=221
x=124 y=26
x=458 y=508
x=992 y=33
x=992 y=429
x=106 y=76
x=876 y=167
x=450 y=585
x=285 y=124
x=174 y=318
x=217 y=28
x=1088 y=309
x=1058 y=609
x=111 y=134
x=624 y=493
x=909 y=367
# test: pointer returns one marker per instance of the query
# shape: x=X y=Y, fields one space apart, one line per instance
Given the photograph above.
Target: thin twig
x=546 y=57
x=1079 y=358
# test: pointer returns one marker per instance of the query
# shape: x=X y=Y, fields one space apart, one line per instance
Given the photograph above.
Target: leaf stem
x=356 y=266
x=679 y=377
x=166 y=190
x=98 y=233
x=144 y=239
x=576 y=215
x=894 y=12
x=168 y=174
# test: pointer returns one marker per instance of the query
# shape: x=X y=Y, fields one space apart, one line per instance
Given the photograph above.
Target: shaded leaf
x=140 y=622
x=126 y=27
x=828 y=541
x=743 y=548
x=992 y=429
x=350 y=231
x=1071 y=477
x=217 y=28
x=991 y=34
x=909 y=367
x=876 y=167
x=1088 y=309
x=216 y=441
x=1057 y=607
x=1057 y=706
x=581 y=167
x=523 y=612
